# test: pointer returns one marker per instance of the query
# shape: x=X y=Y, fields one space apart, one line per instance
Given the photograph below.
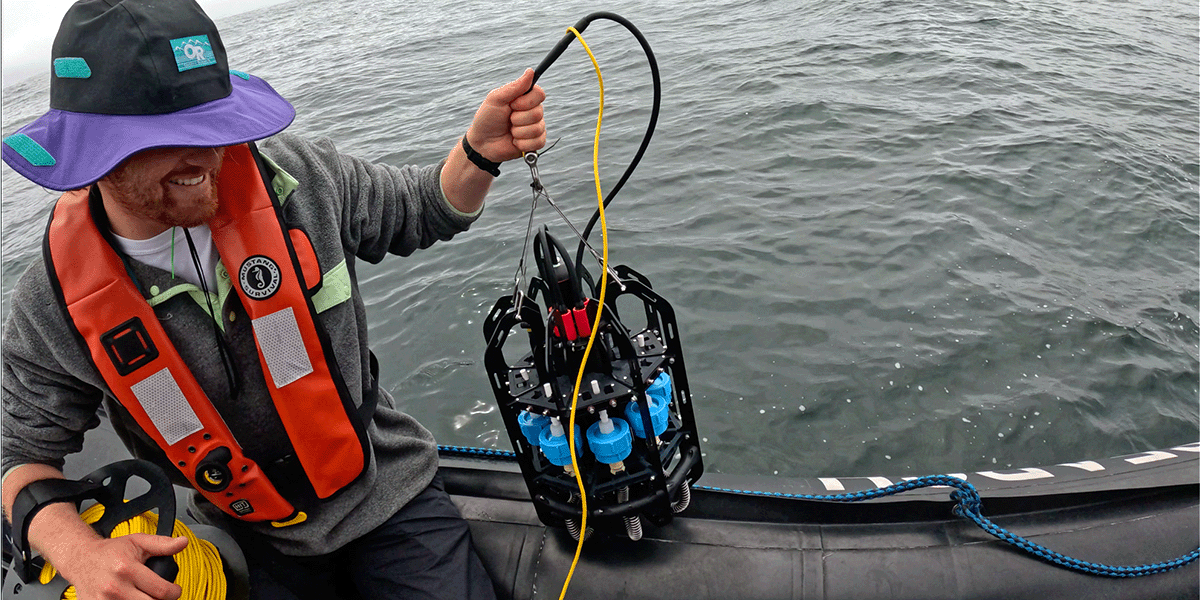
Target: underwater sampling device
x=597 y=407
x=636 y=446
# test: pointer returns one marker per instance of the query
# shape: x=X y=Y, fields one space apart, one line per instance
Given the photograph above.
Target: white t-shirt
x=157 y=252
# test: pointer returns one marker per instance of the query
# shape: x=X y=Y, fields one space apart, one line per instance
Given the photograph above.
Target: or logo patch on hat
x=259 y=277
x=193 y=52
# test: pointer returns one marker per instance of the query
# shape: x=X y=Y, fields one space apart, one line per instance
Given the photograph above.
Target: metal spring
x=633 y=523
x=573 y=529
x=685 y=498
x=573 y=525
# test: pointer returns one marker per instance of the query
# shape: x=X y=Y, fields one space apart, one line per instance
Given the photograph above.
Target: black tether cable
x=637 y=157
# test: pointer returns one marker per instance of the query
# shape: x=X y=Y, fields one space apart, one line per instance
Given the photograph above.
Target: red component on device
x=572 y=324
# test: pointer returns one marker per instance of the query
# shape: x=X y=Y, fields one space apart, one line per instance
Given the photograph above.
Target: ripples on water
x=900 y=237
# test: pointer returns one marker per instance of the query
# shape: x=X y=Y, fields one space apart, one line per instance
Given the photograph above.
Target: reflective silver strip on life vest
x=166 y=406
x=282 y=346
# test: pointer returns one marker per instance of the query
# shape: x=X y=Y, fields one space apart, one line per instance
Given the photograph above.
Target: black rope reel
x=109 y=486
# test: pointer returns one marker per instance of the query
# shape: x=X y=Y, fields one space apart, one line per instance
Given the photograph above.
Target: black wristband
x=486 y=165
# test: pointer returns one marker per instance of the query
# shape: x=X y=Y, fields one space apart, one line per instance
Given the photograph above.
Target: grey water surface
x=901 y=237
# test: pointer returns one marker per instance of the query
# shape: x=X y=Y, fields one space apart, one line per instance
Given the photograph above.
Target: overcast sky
x=29 y=27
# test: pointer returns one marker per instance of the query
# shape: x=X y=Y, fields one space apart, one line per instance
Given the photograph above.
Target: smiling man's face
x=160 y=188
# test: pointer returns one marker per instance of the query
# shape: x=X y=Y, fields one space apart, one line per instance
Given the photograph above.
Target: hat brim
x=86 y=146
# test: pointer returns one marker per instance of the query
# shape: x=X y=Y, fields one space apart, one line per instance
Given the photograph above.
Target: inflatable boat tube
x=756 y=538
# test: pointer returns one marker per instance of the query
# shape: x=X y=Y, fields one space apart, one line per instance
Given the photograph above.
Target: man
x=202 y=289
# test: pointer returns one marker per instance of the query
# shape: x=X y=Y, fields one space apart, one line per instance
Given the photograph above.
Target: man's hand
x=509 y=122
x=114 y=569
x=99 y=568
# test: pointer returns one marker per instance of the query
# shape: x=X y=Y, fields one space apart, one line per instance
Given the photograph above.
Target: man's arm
x=379 y=208
x=509 y=123
x=99 y=568
x=46 y=410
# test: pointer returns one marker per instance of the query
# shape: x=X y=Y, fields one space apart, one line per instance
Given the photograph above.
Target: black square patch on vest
x=129 y=346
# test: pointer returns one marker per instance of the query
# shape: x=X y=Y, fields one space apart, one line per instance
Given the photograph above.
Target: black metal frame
x=622 y=368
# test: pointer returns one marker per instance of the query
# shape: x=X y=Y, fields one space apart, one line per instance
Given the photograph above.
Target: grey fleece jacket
x=351 y=210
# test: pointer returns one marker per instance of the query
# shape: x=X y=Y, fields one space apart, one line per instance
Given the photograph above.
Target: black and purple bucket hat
x=130 y=75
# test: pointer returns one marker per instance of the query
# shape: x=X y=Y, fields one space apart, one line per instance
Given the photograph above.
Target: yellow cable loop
x=596 y=324
x=200 y=572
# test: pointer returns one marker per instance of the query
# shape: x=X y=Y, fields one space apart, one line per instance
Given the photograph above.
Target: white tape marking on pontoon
x=832 y=484
x=880 y=482
x=962 y=476
x=1192 y=447
x=1149 y=457
x=1021 y=475
x=1087 y=465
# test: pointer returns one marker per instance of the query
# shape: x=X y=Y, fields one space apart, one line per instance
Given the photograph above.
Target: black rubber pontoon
x=743 y=537
x=749 y=538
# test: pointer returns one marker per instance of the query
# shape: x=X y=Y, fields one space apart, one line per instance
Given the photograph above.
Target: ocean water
x=901 y=238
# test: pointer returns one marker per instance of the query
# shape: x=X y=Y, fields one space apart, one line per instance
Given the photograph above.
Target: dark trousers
x=423 y=552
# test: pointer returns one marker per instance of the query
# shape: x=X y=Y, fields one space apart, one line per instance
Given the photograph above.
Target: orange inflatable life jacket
x=129 y=347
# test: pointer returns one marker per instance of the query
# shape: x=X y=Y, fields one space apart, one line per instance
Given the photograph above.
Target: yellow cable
x=200 y=573
x=595 y=325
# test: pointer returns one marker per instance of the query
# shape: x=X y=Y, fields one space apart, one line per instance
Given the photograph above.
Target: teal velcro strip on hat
x=72 y=67
x=241 y=74
x=29 y=150
x=193 y=52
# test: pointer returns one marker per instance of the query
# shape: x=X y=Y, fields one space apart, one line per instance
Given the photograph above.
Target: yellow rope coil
x=596 y=324
x=200 y=572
